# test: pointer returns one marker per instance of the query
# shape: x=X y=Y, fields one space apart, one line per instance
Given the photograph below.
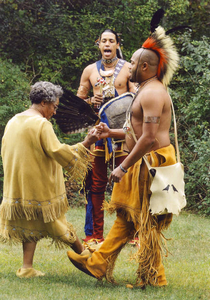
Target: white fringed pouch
x=167 y=184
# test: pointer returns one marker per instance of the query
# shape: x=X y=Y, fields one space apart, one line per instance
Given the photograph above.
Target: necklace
x=140 y=87
x=146 y=82
x=112 y=66
x=109 y=61
x=108 y=73
x=109 y=89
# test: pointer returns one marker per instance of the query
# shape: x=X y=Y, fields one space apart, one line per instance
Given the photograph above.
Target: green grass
x=187 y=268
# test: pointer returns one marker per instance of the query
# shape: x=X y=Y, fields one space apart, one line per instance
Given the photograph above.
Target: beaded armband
x=83 y=91
x=155 y=120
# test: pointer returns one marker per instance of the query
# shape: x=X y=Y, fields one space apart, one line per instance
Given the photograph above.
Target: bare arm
x=143 y=145
x=131 y=87
x=106 y=132
x=86 y=85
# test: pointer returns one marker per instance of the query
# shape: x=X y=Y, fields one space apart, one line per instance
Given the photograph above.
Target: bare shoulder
x=154 y=90
x=126 y=65
x=89 y=69
x=153 y=94
x=125 y=70
x=87 y=76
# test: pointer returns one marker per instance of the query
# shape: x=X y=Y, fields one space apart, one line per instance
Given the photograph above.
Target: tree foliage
x=14 y=88
x=54 y=40
x=191 y=95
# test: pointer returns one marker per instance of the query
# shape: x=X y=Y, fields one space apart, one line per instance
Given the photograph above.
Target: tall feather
x=74 y=114
x=178 y=28
x=158 y=15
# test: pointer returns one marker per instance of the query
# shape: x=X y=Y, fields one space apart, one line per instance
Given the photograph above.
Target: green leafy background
x=54 y=40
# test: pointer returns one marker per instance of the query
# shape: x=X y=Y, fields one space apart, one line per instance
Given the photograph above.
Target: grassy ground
x=187 y=268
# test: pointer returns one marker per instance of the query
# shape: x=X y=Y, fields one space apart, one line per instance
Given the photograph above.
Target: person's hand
x=116 y=175
x=97 y=100
x=103 y=130
x=92 y=137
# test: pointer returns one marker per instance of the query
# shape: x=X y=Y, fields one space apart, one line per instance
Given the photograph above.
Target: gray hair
x=44 y=90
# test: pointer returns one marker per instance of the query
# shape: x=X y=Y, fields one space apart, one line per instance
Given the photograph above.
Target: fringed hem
x=83 y=163
x=148 y=227
x=152 y=241
x=48 y=210
x=110 y=266
x=130 y=214
x=23 y=235
x=66 y=240
x=150 y=252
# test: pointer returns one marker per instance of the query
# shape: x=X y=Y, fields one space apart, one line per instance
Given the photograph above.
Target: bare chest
x=119 y=82
x=136 y=113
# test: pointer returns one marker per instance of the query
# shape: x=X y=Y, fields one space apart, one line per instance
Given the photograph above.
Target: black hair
x=112 y=31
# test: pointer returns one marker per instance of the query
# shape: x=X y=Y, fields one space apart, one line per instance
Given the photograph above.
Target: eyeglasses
x=55 y=106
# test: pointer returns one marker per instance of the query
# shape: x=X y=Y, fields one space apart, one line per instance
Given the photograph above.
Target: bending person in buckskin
x=34 y=197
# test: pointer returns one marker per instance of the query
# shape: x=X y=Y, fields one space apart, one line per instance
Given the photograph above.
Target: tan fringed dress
x=34 y=197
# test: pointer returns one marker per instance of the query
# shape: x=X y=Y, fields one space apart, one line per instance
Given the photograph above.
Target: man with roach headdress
x=146 y=131
x=108 y=78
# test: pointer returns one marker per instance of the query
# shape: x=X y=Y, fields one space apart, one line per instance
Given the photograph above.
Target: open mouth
x=108 y=51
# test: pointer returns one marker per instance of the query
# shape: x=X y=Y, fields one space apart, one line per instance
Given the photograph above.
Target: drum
x=113 y=113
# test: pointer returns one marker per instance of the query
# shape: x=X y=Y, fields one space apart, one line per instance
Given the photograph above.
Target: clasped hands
x=96 y=133
x=102 y=131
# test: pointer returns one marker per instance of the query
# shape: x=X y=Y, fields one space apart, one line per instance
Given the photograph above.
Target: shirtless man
x=115 y=71
x=147 y=132
x=150 y=114
x=109 y=47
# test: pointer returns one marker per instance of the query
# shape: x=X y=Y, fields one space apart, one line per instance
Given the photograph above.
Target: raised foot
x=79 y=261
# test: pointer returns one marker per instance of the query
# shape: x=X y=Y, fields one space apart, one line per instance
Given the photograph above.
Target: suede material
x=97 y=263
x=128 y=194
x=120 y=233
x=161 y=277
x=34 y=196
x=130 y=199
x=28 y=273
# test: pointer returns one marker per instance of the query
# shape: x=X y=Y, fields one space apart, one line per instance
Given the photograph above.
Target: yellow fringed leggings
x=101 y=263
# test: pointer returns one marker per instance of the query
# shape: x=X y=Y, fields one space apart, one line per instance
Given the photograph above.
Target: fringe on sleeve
x=80 y=164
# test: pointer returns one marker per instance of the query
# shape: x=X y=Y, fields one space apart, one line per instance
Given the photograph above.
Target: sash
x=100 y=144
